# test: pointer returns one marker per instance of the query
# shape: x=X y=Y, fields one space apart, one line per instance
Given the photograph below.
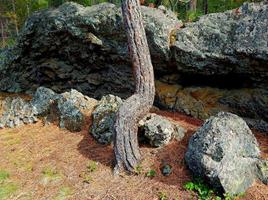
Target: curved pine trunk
x=126 y=148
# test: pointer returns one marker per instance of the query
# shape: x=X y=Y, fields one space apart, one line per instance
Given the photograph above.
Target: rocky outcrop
x=17 y=112
x=154 y=129
x=65 y=109
x=231 y=44
x=202 y=102
x=83 y=48
x=225 y=152
x=218 y=63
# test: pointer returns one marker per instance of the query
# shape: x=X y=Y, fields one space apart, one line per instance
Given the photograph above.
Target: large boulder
x=154 y=129
x=232 y=44
x=83 y=48
x=225 y=152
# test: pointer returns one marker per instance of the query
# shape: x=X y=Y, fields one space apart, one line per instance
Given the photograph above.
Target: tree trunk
x=126 y=148
x=205 y=6
x=193 y=5
x=15 y=19
x=2 y=34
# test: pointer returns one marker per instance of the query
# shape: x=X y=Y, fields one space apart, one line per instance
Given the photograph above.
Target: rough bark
x=2 y=33
x=126 y=148
x=193 y=5
x=15 y=19
x=205 y=6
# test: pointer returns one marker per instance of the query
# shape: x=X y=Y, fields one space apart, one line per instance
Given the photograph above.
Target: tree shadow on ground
x=152 y=158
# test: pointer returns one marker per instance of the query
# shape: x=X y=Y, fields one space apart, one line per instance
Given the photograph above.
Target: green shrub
x=4 y=175
x=203 y=190
x=162 y=196
x=151 y=173
x=138 y=169
x=91 y=166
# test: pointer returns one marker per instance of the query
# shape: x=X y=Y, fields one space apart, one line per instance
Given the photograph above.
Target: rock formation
x=217 y=63
x=225 y=152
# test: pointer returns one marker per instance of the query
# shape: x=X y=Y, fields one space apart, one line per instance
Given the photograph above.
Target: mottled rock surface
x=17 y=112
x=103 y=118
x=225 y=152
x=65 y=109
x=79 y=100
x=84 y=48
x=232 y=43
x=262 y=171
x=70 y=116
x=217 y=63
x=42 y=100
x=203 y=102
x=159 y=131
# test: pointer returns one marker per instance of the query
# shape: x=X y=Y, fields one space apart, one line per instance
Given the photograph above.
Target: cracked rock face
x=84 y=48
x=225 y=152
x=17 y=112
x=103 y=118
x=226 y=43
x=66 y=109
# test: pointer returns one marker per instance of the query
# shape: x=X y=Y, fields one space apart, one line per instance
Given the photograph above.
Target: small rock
x=166 y=170
x=224 y=151
x=81 y=101
x=70 y=117
x=42 y=100
x=159 y=130
x=103 y=118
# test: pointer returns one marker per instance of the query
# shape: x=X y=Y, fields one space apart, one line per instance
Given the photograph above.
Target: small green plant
x=192 y=16
x=228 y=196
x=86 y=178
x=91 y=166
x=203 y=190
x=3 y=175
x=162 y=196
x=64 y=193
x=151 y=173
x=50 y=174
x=138 y=169
x=7 y=189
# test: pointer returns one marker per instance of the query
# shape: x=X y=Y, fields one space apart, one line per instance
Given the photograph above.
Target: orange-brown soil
x=46 y=162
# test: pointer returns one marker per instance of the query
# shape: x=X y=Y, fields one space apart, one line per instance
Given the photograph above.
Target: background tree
x=193 y=5
x=126 y=148
x=205 y=6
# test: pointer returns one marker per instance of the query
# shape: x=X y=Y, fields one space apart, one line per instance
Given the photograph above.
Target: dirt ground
x=45 y=162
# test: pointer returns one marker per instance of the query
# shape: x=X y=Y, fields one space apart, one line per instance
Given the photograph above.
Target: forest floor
x=44 y=162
